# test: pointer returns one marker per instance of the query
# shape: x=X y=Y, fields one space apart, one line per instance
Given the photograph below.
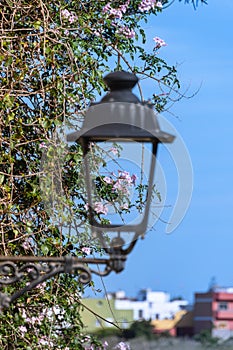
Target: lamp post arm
x=131 y=246
x=34 y=270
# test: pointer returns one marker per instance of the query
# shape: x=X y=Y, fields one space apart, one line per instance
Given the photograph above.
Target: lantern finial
x=120 y=84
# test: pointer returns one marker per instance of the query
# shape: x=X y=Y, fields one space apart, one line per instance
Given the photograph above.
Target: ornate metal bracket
x=34 y=270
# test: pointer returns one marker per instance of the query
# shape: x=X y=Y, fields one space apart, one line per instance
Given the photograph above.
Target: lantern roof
x=120 y=115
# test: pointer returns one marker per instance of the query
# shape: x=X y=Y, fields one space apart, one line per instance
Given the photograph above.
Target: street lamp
x=119 y=118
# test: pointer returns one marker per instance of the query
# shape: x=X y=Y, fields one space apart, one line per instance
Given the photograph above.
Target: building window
x=124 y=324
x=140 y=313
x=150 y=305
x=223 y=305
x=97 y=323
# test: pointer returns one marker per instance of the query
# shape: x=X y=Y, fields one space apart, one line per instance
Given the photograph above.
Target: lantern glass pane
x=119 y=173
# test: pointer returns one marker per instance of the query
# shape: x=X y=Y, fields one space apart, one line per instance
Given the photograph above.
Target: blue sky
x=201 y=247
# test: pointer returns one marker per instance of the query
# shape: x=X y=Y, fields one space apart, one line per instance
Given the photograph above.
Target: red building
x=214 y=311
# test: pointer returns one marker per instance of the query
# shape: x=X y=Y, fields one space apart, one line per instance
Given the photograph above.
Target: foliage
x=104 y=333
x=137 y=329
x=53 y=55
x=178 y=297
x=206 y=339
x=195 y=2
x=141 y=328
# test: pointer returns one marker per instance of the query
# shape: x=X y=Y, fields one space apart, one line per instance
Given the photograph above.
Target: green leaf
x=2 y=177
x=45 y=249
x=37 y=24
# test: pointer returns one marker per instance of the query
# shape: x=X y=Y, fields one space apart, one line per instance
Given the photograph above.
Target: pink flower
x=105 y=345
x=126 y=32
x=118 y=186
x=114 y=150
x=159 y=42
x=44 y=341
x=159 y=4
x=121 y=187
x=41 y=286
x=70 y=16
x=65 y=13
x=122 y=346
x=146 y=5
x=108 y=180
x=42 y=145
x=87 y=338
x=32 y=320
x=100 y=208
x=24 y=315
x=86 y=250
x=125 y=176
x=134 y=178
x=23 y=330
x=125 y=206
x=116 y=13
x=26 y=245
x=123 y=8
x=97 y=33
x=106 y=8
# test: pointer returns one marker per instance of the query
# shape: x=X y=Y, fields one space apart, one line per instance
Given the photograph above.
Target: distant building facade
x=214 y=311
x=101 y=313
x=119 y=309
x=150 y=305
x=168 y=326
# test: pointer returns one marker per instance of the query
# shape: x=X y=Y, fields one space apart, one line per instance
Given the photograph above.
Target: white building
x=149 y=305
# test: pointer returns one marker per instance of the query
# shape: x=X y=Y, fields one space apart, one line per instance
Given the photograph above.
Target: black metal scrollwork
x=33 y=271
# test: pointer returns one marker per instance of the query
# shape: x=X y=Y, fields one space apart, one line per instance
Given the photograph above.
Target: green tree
x=53 y=55
x=141 y=328
x=206 y=339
